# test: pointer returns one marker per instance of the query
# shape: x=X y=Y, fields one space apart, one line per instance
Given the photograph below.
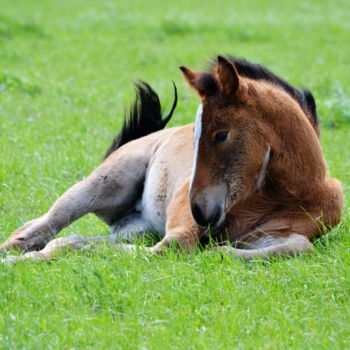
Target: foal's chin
x=221 y=221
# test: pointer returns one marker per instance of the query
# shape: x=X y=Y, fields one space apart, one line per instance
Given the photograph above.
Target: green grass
x=66 y=69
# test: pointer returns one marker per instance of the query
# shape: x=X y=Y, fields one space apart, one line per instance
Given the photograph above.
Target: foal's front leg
x=285 y=236
x=181 y=228
x=294 y=244
x=110 y=190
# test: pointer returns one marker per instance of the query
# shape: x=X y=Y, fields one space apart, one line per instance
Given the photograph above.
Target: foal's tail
x=144 y=117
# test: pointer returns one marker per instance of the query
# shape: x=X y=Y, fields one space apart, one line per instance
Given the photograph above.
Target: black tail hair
x=144 y=117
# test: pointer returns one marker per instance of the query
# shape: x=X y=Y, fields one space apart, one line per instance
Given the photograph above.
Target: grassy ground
x=65 y=76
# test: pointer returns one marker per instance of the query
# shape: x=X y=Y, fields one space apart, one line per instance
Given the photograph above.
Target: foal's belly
x=167 y=170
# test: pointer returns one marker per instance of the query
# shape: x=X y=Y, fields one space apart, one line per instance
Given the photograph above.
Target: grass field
x=66 y=71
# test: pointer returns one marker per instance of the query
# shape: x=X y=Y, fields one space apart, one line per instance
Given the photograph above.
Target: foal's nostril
x=212 y=217
x=198 y=215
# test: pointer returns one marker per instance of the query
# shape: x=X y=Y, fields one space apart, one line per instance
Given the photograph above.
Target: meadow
x=66 y=73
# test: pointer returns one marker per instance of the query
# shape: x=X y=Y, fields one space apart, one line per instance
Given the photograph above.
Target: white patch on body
x=167 y=170
x=130 y=227
x=153 y=210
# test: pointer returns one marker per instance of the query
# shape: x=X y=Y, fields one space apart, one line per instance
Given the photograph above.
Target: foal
x=250 y=168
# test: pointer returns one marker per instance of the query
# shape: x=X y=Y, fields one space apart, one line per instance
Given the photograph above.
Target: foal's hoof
x=6 y=246
x=28 y=244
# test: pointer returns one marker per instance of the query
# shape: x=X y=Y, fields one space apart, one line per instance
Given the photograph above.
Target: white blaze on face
x=197 y=136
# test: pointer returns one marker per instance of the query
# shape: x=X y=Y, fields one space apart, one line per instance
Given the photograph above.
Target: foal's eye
x=220 y=137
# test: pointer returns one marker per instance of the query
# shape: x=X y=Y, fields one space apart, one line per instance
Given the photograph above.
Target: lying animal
x=249 y=171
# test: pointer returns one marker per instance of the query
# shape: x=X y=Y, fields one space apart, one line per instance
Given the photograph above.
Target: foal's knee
x=299 y=244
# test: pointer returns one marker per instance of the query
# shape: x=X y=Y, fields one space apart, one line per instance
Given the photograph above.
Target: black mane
x=257 y=72
x=144 y=117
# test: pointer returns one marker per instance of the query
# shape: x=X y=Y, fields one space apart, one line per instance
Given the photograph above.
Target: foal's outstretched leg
x=34 y=234
x=110 y=191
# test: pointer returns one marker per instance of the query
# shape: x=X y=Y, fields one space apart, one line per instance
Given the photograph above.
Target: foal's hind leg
x=110 y=192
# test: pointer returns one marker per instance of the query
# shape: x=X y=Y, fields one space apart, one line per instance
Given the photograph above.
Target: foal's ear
x=203 y=83
x=190 y=76
x=227 y=76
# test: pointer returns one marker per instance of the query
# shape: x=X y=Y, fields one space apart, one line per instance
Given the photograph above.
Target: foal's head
x=232 y=139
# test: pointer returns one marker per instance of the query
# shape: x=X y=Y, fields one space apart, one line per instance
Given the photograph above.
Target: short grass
x=66 y=69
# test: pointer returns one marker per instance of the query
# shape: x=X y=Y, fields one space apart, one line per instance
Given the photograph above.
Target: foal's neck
x=297 y=165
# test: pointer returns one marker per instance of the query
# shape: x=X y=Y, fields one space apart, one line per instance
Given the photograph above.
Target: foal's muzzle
x=207 y=206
